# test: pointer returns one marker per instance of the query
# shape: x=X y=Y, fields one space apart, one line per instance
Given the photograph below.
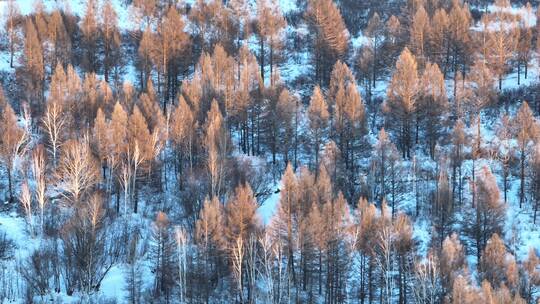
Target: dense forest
x=269 y=151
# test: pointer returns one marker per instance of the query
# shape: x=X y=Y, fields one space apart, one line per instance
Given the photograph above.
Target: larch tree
x=524 y=50
x=482 y=82
x=534 y=183
x=13 y=141
x=331 y=37
x=241 y=230
x=366 y=221
x=405 y=248
x=33 y=65
x=140 y=151
x=452 y=262
x=401 y=105
x=60 y=39
x=117 y=140
x=288 y=221
x=502 y=45
x=494 y=261
x=487 y=216
x=108 y=24
x=442 y=212
x=419 y=33
x=269 y=26
x=163 y=255
x=335 y=220
x=210 y=240
x=457 y=156
x=145 y=56
x=171 y=43
x=146 y=11
x=526 y=131
x=432 y=106
x=365 y=64
x=182 y=133
x=459 y=23
x=375 y=31
x=532 y=277
x=438 y=39
x=90 y=39
x=348 y=123
x=318 y=117
x=287 y=108
x=387 y=170
x=505 y=151
x=393 y=32
x=12 y=13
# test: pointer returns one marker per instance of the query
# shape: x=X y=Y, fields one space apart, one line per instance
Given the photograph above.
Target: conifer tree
x=443 y=209
x=335 y=224
x=33 y=65
x=502 y=45
x=375 y=31
x=419 y=33
x=163 y=256
x=387 y=169
x=438 y=39
x=526 y=131
x=532 y=277
x=210 y=240
x=486 y=217
x=459 y=141
x=170 y=44
x=13 y=141
x=452 y=262
x=287 y=110
x=145 y=57
x=241 y=229
x=494 y=261
x=483 y=81
x=401 y=104
x=318 y=122
x=12 y=12
x=270 y=23
x=108 y=24
x=432 y=106
x=524 y=50
x=182 y=132
x=331 y=37
x=288 y=218
x=89 y=29
x=459 y=39
x=60 y=40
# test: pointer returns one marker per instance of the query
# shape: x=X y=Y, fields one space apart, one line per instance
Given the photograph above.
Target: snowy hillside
x=269 y=151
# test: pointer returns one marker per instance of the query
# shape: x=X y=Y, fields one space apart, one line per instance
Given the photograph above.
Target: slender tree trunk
x=261 y=49
x=519 y=73
x=522 y=178
x=10 y=182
